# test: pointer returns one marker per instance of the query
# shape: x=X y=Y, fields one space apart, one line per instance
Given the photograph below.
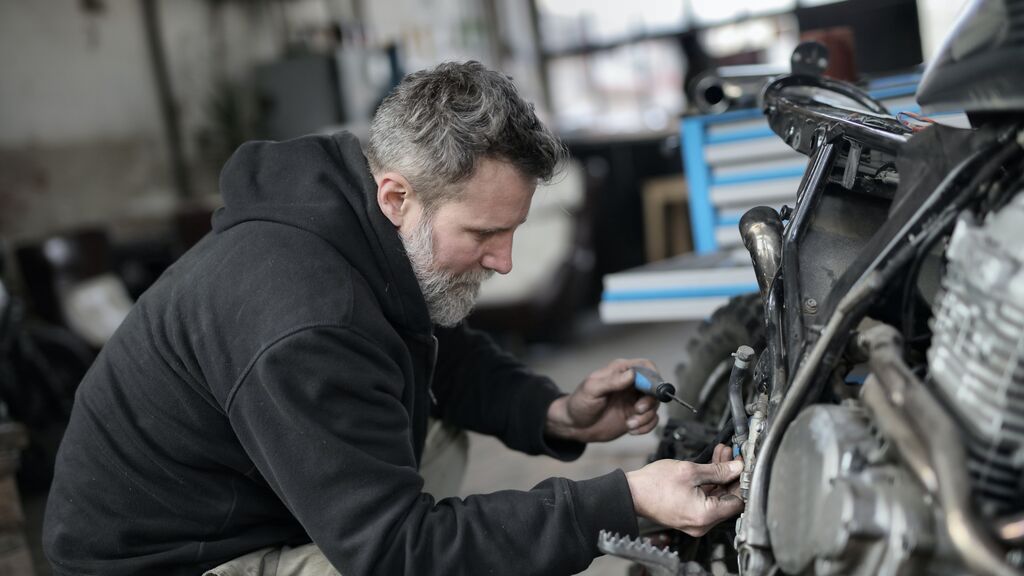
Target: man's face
x=466 y=240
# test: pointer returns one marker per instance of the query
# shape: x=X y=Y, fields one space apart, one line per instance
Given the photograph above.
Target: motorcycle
x=874 y=387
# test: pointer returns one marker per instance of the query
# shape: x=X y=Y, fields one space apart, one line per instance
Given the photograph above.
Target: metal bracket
x=852 y=163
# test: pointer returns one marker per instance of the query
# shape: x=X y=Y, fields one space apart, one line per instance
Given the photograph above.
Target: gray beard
x=450 y=297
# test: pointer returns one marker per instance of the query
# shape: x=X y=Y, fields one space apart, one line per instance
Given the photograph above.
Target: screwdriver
x=651 y=383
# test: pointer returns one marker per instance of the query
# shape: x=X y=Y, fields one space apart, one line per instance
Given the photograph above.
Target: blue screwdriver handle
x=651 y=383
x=646 y=380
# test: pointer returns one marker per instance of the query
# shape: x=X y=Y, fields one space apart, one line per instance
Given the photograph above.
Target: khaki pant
x=444 y=464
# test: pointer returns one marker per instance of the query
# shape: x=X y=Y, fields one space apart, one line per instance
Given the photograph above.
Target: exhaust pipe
x=732 y=87
x=761 y=230
x=929 y=440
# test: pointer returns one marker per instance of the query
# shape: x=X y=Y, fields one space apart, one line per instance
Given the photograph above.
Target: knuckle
x=685 y=469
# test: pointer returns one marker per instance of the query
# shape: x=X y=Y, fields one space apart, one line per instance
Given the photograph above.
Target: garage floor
x=493 y=467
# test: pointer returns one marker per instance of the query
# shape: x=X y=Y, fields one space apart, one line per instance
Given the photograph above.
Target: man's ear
x=396 y=198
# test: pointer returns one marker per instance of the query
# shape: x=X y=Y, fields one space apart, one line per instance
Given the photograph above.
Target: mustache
x=473 y=277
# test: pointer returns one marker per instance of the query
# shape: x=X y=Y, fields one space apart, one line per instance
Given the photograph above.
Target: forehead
x=496 y=196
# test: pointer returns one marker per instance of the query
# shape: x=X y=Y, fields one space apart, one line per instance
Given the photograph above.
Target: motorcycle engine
x=977 y=354
x=841 y=502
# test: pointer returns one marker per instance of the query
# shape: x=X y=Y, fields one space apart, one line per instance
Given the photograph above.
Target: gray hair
x=437 y=124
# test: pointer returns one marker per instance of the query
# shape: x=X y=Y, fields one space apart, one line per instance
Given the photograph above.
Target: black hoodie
x=273 y=388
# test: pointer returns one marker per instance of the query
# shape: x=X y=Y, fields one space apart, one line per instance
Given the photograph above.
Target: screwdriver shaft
x=676 y=398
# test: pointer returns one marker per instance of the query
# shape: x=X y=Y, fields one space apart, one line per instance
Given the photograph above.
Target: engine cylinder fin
x=977 y=354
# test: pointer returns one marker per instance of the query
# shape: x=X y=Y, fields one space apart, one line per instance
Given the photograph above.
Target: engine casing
x=840 y=503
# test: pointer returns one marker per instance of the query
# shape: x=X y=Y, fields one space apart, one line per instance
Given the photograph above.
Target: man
x=273 y=387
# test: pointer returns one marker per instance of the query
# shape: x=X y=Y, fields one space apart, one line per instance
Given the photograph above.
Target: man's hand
x=689 y=497
x=604 y=407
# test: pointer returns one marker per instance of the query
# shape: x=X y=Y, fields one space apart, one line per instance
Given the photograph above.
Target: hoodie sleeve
x=320 y=414
x=482 y=388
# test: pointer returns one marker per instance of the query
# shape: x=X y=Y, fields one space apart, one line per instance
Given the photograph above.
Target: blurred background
x=116 y=116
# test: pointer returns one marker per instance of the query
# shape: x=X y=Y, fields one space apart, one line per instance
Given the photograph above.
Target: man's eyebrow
x=497 y=230
x=488 y=230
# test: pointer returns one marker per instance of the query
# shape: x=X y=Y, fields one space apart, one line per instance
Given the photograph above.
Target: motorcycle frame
x=797 y=344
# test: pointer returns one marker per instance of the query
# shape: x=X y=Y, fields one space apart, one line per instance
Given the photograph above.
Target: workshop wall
x=80 y=130
x=71 y=74
x=82 y=140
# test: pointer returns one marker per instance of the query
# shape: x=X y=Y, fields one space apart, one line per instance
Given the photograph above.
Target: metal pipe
x=812 y=186
x=761 y=230
x=795 y=114
x=741 y=369
x=721 y=89
x=781 y=87
x=865 y=128
x=931 y=443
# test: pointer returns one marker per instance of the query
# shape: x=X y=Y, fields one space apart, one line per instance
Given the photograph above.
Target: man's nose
x=499 y=256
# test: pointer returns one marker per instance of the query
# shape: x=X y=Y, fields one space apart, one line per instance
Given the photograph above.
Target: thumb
x=720 y=473
x=623 y=380
x=617 y=381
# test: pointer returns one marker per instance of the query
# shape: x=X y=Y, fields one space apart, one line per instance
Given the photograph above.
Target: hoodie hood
x=322 y=184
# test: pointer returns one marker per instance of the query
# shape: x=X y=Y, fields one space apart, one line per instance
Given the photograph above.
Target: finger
x=617 y=375
x=642 y=362
x=722 y=454
x=619 y=365
x=640 y=420
x=721 y=507
x=613 y=378
x=720 y=473
x=714 y=490
x=612 y=370
x=622 y=364
x=624 y=380
x=733 y=489
x=646 y=427
x=726 y=452
x=644 y=404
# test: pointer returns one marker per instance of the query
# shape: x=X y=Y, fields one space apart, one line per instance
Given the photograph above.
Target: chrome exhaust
x=761 y=230
x=930 y=442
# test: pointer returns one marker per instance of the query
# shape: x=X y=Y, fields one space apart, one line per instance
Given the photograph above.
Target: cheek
x=457 y=255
